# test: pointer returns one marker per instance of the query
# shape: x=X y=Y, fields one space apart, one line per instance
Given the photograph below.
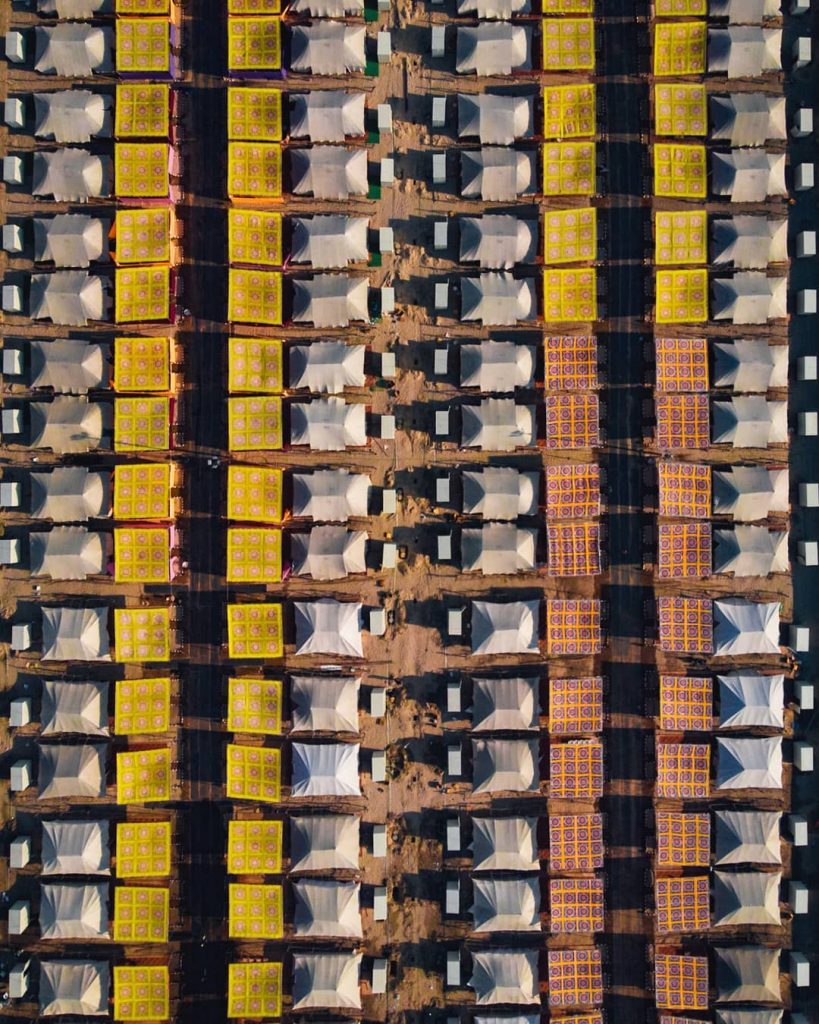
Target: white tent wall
x=507 y=976
x=327 y=908
x=74 y=910
x=74 y=988
x=326 y=115
x=747 y=974
x=749 y=700
x=511 y=627
x=506 y=904
x=325 y=769
x=329 y=552
x=75 y=848
x=331 y=495
x=324 y=703
x=504 y=844
x=324 y=842
x=69 y=771
x=74 y=707
x=505 y=704
x=505 y=766
x=495 y=119
x=326 y=981
x=746 y=898
x=748 y=837
x=749 y=763
x=70 y=494
x=498 y=492
x=327 y=626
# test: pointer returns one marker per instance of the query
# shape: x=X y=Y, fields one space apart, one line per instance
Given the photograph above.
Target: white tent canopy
x=748 y=974
x=74 y=10
x=75 y=848
x=504 y=844
x=748 y=118
x=505 y=976
x=80 y=708
x=324 y=703
x=327 y=908
x=506 y=904
x=494 y=10
x=71 y=115
x=497 y=174
x=499 y=492
x=751 y=551
x=498 y=299
x=495 y=119
x=329 y=552
x=71 y=50
x=327 y=48
x=324 y=842
x=505 y=627
x=750 y=493
x=497 y=241
x=69 y=297
x=493 y=49
x=500 y=704
x=328 y=424
x=749 y=763
x=74 y=988
x=329 y=240
x=69 y=366
x=750 y=365
x=67 y=771
x=744 y=52
x=505 y=766
x=755 y=1016
x=748 y=837
x=498 y=366
x=327 y=8
x=68 y=553
x=328 y=626
x=498 y=548
x=743 y=12
x=746 y=898
x=68 y=424
x=70 y=494
x=747 y=699
x=330 y=300
x=749 y=421
x=75 y=634
x=69 y=240
x=749 y=242
x=325 y=769
x=70 y=175
x=326 y=115
x=328 y=172
x=745 y=627
x=327 y=367
x=326 y=981
x=331 y=495
x=750 y=298
x=74 y=910
x=497 y=425
x=748 y=175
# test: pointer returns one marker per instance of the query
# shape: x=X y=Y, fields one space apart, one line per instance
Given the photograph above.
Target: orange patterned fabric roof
x=576 y=906
x=682 y=904
x=682 y=421
x=685 y=490
x=573 y=549
x=576 y=770
x=685 y=703
x=683 y=550
x=570 y=363
x=572 y=421
x=575 y=706
x=682 y=364
x=683 y=770
x=575 y=842
x=573 y=627
x=683 y=840
x=575 y=978
x=572 y=492
x=686 y=624
x=681 y=982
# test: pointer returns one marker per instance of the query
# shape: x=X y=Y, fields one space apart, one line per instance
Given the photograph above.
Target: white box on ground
x=19 y=917
x=806 y=244
x=378 y=621
x=452 y=904
x=808 y=552
x=437 y=41
x=12 y=242
x=12 y=298
x=379 y=985
x=800 y=6
x=378 y=766
x=383 y=115
x=454 y=761
x=809 y=495
x=387 y=300
x=438 y=111
x=386 y=240
x=453 y=968
x=798 y=829
x=442 y=423
x=21 y=638
x=805 y=696
x=799 y=969
x=386 y=427
x=379 y=840
x=20 y=776
x=18 y=980
x=11 y=421
x=802 y=122
x=803 y=757
x=14 y=114
x=441 y=296
x=438 y=168
x=440 y=364
x=455 y=622
x=380 y=903
x=808 y=423
x=806 y=301
x=383 y=47
x=13 y=170
x=803 y=178
x=20 y=852
x=388 y=501
x=15 y=47
x=800 y=637
x=388 y=365
x=440 y=235
x=12 y=359
x=387 y=173
x=378 y=702
x=453 y=835
x=389 y=555
x=444 y=547
x=10 y=494
x=798 y=897
x=442 y=490
x=20 y=712
x=807 y=368
x=9 y=551
x=453 y=696
x=802 y=52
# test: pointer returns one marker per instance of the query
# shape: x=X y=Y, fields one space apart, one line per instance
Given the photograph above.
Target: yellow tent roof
x=141 y=169
x=255 y=237
x=143 y=849
x=254 y=847
x=568 y=43
x=569 y=111
x=567 y=6
x=255 y=296
x=142 y=492
x=682 y=296
x=255 y=706
x=142 y=294
x=142 y=554
x=140 y=914
x=142 y=634
x=256 y=365
x=254 y=7
x=149 y=7
x=142 y=424
x=255 y=115
x=254 y=555
x=141 y=993
x=144 y=776
x=569 y=168
x=680 y=109
x=253 y=773
x=254 y=493
x=679 y=48
x=569 y=295
x=255 y=170
x=142 y=110
x=143 y=236
x=143 y=45
x=254 y=990
x=142 y=364
x=254 y=44
x=680 y=237
x=570 y=235
x=679 y=170
x=255 y=424
x=255 y=631
x=255 y=911
x=142 y=706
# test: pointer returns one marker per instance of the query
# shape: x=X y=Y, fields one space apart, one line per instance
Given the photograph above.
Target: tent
x=748 y=898
x=72 y=50
x=505 y=976
x=325 y=769
x=75 y=848
x=327 y=8
x=75 y=634
x=328 y=172
x=749 y=242
x=69 y=366
x=497 y=425
x=74 y=988
x=749 y=422
x=747 y=118
x=495 y=119
x=74 y=707
x=499 y=366
x=328 y=909
x=497 y=174
x=328 y=424
x=505 y=704
x=324 y=703
x=70 y=297
x=70 y=494
x=498 y=299
x=751 y=551
x=505 y=766
x=74 y=10
x=750 y=492
x=327 y=48
x=493 y=49
x=68 y=424
x=744 y=12
x=744 y=52
x=750 y=298
x=508 y=627
x=67 y=771
x=498 y=548
x=748 y=175
x=745 y=627
x=497 y=242
x=328 y=626
x=326 y=981
x=750 y=700
x=326 y=115
x=504 y=844
x=324 y=842
x=748 y=837
x=74 y=910
x=329 y=240
x=72 y=115
x=68 y=553
x=330 y=300
x=494 y=10
x=70 y=175
x=749 y=763
x=755 y=1016
x=69 y=240
x=506 y=904
x=750 y=365
x=498 y=492
x=329 y=552
x=331 y=495
x=327 y=367
x=748 y=974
